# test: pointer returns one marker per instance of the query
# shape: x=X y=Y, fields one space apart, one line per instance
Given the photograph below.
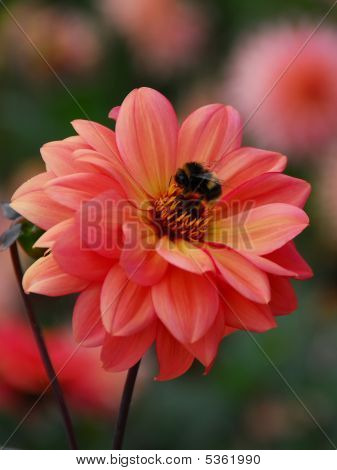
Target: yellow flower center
x=180 y=216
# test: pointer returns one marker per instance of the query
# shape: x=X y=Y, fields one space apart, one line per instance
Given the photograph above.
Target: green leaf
x=30 y=233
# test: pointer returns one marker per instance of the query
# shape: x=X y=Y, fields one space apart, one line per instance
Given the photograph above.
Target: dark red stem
x=54 y=383
x=125 y=407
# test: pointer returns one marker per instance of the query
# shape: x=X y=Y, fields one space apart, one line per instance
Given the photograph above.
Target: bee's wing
x=215 y=179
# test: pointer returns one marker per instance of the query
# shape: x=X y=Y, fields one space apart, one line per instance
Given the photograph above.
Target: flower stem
x=44 y=351
x=125 y=407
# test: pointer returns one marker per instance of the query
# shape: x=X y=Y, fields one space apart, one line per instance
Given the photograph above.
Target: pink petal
x=242 y=275
x=206 y=349
x=73 y=190
x=246 y=163
x=101 y=221
x=114 y=113
x=126 y=307
x=243 y=314
x=33 y=184
x=39 y=209
x=267 y=189
x=99 y=137
x=122 y=352
x=73 y=142
x=209 y=133
x=174 y=360
x=87 y=324
x=283 y=296
x=288 y=257
x=139 y=260
x=184 y=255
x=143 y=267
x=146 y=131
x=58 y=158
x=47 y=278
x=186 y=303
x=92 y=161
x=267 y=265
x=48 y=239
x=260 y=230
x=76 y=259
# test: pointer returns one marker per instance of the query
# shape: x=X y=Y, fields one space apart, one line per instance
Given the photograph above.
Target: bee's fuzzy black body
x=193 y=178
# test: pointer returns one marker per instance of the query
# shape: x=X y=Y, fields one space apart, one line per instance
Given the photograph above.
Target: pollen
x=180 y=216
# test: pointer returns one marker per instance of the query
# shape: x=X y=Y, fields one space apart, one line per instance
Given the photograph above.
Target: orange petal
x=267 y=189
x=174 y=360
x=241 y=274
x=57 y=158
x=260 y=230
x=95 y=162
x=73 y=142
x=147 y=130
x=122 y=352
x=74 y=190
x=76 y=259
x=184 y=255
x=206 y=349
x=48 y=239
x=126 y=307
x=87 y=324
x=99 y=137
x=139 y=260
x=33 y=184
x=288 y=257
x=47 y=278
x=209 y=133
x=283 y=296
x=268 y=265
x=186 y=303
x=243 y=314
x=114 y=113
x=245 y=163
x=101 y=221
x=41 y=210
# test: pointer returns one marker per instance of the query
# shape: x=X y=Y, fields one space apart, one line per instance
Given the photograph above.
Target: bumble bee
x=193 y=178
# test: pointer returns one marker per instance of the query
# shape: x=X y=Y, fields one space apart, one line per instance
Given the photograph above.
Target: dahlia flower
x=22 y=371
x=156 y=261
x=67 y=39
x=165 y=35
x=295 y=87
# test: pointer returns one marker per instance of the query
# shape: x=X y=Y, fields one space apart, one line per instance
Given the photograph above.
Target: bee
x=196 y=180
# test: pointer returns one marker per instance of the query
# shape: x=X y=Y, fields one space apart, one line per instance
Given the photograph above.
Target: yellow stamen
x=177 y=216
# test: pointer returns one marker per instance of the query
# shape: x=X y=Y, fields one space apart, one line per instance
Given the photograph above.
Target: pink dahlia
x=173 y=235
x=299 y=113
x=66 y=38
x=22 y=371
x=165 y=35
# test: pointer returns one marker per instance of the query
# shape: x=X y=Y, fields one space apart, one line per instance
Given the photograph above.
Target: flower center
x=180 y=216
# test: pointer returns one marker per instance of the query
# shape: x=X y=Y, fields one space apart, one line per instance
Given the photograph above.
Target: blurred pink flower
x=299 y=115
x=67 y=40
x=8 y=397
x=86 y=385
x=165 y=34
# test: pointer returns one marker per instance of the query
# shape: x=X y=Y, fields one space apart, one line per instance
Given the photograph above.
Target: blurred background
x=61 y=60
